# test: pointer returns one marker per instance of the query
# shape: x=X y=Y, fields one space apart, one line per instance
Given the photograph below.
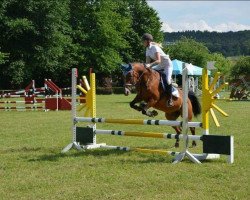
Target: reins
x=135 y=82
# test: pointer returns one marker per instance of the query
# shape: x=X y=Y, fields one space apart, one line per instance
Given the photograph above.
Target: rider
x=158 y=60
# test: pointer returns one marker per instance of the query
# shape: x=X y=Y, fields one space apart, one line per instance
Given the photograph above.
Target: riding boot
x=169 y=93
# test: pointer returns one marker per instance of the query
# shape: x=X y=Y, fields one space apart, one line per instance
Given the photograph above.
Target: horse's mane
x=149 y=70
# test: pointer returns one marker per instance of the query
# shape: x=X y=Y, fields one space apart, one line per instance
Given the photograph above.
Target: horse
x=150 y=91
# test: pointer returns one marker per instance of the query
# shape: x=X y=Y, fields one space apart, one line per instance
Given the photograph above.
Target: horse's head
x=132 y=73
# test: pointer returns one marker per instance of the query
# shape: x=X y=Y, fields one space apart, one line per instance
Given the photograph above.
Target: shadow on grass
x=142 y=158
x=57 y=156
x=165 y=159
x=53 y=155
x=127 y=102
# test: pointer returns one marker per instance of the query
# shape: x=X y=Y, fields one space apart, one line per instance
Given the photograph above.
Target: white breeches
x=167 y=69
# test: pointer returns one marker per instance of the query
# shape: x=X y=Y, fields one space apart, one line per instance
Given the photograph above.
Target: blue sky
x=218 y=16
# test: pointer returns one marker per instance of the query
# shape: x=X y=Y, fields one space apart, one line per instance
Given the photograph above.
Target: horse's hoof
x=148 y=113
x=194 y=144
x=154 y=113
x=143 y=104
x=144 y=112
x=176 y=145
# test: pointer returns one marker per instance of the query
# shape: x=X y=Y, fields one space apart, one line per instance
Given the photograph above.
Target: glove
x=148 y=65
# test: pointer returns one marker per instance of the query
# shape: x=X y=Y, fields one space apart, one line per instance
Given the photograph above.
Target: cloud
x=202 y=25
x=166 y=27
x=221 y=16
x=231 y=27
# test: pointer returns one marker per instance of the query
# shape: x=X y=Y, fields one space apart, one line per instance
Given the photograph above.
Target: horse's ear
x=124 y=67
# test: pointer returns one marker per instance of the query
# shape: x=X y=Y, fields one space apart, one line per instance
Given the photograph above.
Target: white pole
x=73 y=113
x=231 y=156
x=185 y=104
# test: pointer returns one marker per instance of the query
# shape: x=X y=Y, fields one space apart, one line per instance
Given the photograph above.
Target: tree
x=221 y=63
x=99 y=30
x=3 y=58
x=108 y=32
x=189 y=51
x=144 y=20
x=37 y=36
x=46 y=38
x=242 y=67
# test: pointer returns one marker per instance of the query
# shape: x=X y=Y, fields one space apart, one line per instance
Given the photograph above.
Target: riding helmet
x=147 y=36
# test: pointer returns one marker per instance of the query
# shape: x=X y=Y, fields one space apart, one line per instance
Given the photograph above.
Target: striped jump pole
x=136 y=121
x=151 y=151
x=20 y=95
x=14 y=95
x=26 y=102
x=143 y=150
x=19 y=108
x=156 y=151
x=147 y=134
x=34 y=105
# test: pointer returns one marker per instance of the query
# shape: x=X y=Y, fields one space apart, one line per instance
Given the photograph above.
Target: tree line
x=226 y=43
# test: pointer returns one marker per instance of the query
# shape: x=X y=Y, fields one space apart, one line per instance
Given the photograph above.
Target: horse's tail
x=195 y=103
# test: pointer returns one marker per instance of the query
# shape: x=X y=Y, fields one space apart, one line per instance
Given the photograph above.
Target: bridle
x=134 y=76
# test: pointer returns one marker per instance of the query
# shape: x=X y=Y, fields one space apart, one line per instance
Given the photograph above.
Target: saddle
x=164 y=84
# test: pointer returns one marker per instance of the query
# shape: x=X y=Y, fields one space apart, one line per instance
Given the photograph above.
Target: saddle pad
x=175 y=92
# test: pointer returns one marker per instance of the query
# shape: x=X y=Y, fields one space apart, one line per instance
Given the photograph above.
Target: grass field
x=32 y=166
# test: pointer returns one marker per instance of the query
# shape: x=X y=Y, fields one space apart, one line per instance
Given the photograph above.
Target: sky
x=220 y=16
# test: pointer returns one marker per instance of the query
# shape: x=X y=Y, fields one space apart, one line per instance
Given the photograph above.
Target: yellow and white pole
x=91 y=101
x=206 y=102
x=86 y=83
x=92 y=98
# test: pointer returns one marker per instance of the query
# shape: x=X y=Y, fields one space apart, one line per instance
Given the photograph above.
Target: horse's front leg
x=148 y=105
x=137 y=99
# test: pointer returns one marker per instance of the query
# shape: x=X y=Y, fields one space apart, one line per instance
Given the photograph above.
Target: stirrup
x=170 y=103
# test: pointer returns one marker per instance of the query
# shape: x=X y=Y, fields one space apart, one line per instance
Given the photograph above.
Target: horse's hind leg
x=190 y=116
x=178 y=132
x=174 y=116
x=192 y=129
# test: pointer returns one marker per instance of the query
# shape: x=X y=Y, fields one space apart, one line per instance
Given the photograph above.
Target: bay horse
x=150 y=91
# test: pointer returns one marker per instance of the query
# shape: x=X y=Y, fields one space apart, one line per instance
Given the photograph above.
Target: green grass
x=32 y=166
